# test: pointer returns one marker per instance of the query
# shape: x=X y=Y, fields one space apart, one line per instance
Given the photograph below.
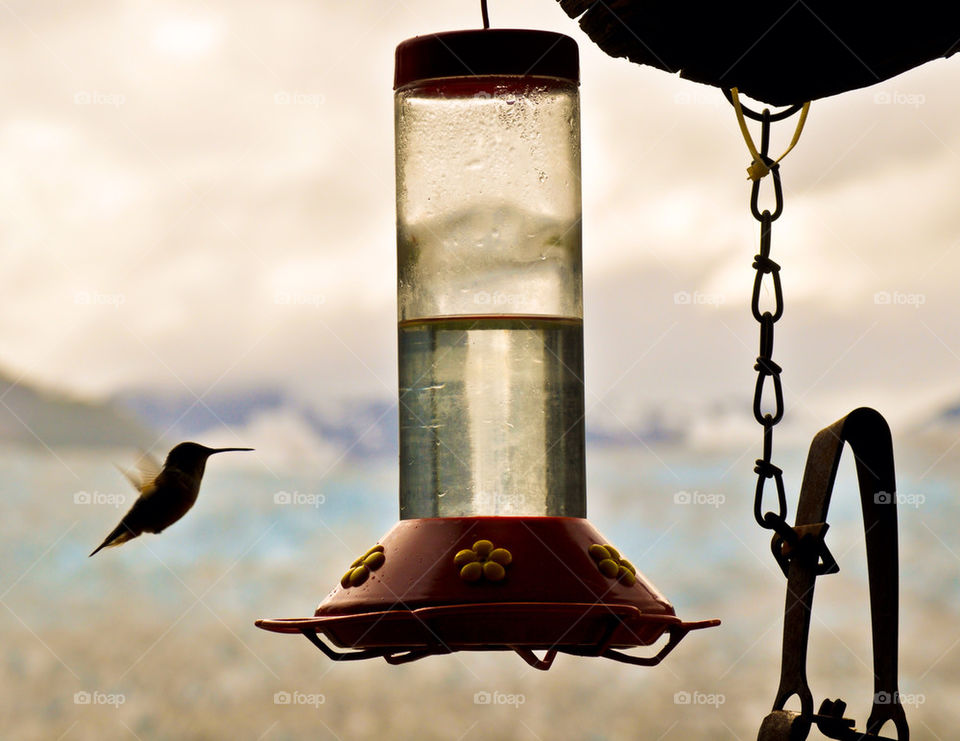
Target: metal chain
x=765 y=366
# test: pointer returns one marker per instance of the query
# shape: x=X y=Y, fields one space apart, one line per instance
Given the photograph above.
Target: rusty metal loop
x=776 y=521
x=777 y=191
x=749 y=113
x=763 y=267
x=763 y=371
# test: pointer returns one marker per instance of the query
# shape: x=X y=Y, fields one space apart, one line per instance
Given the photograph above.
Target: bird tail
x=120 y=534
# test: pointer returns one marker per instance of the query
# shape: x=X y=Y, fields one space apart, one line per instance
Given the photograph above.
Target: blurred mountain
x=33 y=416
x=360 y=428
x=649 y=426
x=943 y=421
x=356 y=428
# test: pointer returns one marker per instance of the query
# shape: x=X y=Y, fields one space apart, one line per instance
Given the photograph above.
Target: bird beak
x=211 y=451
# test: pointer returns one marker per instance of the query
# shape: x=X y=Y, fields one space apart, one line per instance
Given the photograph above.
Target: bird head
x=192 y=457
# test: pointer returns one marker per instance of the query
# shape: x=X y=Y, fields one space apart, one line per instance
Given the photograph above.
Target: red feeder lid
x=487 y=52
x=437 y=585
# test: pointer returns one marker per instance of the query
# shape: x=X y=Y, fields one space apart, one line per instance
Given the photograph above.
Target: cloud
x=239 y=196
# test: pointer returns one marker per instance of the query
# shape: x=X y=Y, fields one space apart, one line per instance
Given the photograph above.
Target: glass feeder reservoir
x=489 y=280
x=493 y=550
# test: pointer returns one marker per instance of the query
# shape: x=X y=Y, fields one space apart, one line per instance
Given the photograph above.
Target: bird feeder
x=493 y=550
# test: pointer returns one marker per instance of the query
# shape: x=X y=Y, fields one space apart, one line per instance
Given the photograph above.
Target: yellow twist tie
x=758 y=168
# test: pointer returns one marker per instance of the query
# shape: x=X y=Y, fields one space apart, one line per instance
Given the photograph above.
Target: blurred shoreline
x=167 y=621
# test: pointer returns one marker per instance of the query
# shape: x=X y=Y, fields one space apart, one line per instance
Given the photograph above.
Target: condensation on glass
x=489 y=285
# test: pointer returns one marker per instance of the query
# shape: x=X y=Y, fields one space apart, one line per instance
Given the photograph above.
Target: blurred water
x=166 y=621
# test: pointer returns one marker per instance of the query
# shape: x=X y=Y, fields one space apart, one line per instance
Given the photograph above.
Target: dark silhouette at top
x=779 y=51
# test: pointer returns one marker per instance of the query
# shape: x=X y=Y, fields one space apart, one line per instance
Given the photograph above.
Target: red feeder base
x=492 y=583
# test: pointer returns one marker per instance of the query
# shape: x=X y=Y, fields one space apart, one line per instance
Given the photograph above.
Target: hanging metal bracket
x=804 y=557
x=805 y=542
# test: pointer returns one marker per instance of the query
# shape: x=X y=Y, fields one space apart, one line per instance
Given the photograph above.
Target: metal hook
x=869 y=436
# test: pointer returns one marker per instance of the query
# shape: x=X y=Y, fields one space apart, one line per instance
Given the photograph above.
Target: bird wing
x=144 y=478
x=149 y=469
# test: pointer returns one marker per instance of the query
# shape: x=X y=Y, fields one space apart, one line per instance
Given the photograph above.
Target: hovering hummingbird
x=166 y=494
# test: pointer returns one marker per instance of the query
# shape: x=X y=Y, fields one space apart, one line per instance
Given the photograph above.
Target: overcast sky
x=168 y=169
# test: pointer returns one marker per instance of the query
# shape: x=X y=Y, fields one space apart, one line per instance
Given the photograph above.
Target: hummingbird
x=166 y=494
